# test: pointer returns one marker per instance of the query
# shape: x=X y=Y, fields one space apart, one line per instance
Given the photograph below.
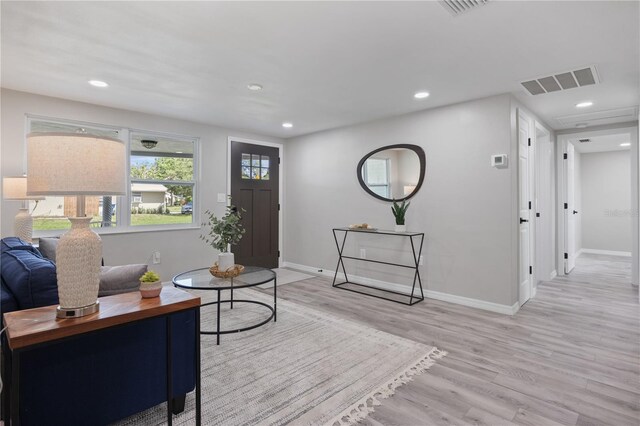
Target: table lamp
x=76 y=164
x=15 y=188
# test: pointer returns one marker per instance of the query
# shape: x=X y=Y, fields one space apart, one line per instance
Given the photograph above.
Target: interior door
x=255 y=189
x=570 y=218
x=524 y=207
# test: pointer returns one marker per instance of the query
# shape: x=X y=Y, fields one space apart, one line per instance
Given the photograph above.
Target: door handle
x=523 y=220
x=575 y=212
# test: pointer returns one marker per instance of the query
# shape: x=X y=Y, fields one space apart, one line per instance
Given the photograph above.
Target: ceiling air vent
x=457 y=7
x=562 y=81
x=584 y=140
x=619 y=115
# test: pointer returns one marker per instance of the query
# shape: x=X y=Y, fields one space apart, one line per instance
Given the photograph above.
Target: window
x=51 y=213
x=162 y=180
x=255 y=167
x=376 y=175
x=162 y=173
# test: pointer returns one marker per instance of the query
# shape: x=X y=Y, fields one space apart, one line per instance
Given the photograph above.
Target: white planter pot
x=401 y=228
x=149 y=290
x=226 y=261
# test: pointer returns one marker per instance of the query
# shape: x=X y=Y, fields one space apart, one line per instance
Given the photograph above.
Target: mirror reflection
x=392 y=173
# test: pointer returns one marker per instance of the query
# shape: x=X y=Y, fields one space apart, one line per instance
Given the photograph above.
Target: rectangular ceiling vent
x=562 y=81
x=584 y=140
x=618 y=115
x=457 y=7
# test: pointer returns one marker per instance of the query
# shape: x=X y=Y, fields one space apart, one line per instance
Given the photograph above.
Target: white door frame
x=561 y=148
x=281 y=199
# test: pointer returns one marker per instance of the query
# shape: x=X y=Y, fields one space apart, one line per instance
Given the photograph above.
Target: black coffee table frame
x=231 y=301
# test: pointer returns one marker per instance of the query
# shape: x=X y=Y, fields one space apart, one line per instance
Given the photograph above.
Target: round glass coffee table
x=201 y=279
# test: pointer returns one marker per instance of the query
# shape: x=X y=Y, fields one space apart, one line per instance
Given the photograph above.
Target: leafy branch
x=223 y=231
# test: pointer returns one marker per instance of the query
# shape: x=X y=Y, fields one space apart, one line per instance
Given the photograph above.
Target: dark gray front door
x=254 y=188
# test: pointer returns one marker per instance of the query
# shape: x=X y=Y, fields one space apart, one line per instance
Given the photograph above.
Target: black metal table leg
x=340 y=261
x=417 y=269
x=169 y=373
x=15 y=388
x=218 y=322
x=231 y=292
x=198 y=370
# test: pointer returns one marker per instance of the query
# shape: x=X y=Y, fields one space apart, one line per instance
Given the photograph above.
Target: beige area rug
x=309 y=368
x=286 y=276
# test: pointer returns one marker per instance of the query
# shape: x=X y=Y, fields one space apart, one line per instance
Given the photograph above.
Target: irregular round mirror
x=393 y=172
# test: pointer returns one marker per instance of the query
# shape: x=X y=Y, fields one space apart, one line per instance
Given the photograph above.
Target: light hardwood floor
x=570 y=356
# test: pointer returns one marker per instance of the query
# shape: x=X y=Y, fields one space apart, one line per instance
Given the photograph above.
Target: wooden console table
x=413 y=297
x=32 y=328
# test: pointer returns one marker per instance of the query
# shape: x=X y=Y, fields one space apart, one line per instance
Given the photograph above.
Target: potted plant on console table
x=224 y=232
x=150 y=285
x=399 y=211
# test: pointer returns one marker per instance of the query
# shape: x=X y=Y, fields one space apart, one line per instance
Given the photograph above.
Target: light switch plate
x=222 y=197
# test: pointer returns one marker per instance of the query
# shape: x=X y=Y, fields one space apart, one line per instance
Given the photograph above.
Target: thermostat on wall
x=499 y=161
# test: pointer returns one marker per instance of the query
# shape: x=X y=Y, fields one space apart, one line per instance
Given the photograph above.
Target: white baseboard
x=431 y=294
x=606 y=252
x=553 y=274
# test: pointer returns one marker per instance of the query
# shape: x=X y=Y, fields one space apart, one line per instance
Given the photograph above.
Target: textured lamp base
x=78 y=268
x=77 y=312
x=23 y=225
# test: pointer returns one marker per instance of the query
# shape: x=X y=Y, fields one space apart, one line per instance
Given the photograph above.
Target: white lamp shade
x=75 y=164
x=15 y=188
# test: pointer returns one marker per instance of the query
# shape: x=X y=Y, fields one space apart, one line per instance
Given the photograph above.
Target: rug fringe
x=360 y=410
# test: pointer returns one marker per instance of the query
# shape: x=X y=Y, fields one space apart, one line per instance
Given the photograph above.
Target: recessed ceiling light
x=581 y=125
x=584 y=104
x=421 y=95
x=626 y=144
x=287 y=125
x=98 y=83
x=254 y=86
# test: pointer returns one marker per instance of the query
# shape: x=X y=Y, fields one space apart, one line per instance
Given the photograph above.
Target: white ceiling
x=322 y=64
x=601 y=143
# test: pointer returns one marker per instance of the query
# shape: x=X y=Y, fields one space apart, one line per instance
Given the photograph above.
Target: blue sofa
x=98 y=378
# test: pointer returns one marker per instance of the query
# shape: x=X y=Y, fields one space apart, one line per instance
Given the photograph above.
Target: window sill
x=120 y=231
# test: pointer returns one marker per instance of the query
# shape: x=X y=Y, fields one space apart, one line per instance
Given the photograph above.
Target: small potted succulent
x=399 y=211
x=150 y=285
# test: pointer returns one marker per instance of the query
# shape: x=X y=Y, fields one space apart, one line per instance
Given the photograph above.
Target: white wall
x=465 y=206
x=180 y=249
x=605 y=179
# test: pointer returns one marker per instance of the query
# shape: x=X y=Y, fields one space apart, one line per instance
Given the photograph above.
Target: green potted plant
x=399 y=211
x=150 y=285
x=224 y=232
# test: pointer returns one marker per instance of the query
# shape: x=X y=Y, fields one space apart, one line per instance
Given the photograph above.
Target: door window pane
x=255 y=167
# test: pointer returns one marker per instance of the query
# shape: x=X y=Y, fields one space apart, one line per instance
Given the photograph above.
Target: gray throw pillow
x=47 y=247
x=120 y=279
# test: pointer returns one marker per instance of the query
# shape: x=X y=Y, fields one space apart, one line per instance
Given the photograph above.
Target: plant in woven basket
x=223 y=231
x=399 y=211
